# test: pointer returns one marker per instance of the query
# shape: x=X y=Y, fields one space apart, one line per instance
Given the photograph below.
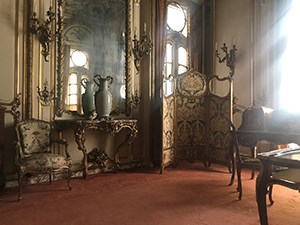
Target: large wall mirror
x=93 y=38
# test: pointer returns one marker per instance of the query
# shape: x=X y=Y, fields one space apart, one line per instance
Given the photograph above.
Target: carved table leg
x=128 y=141
x=261 y=192
x=80 y=139
x=253 y=155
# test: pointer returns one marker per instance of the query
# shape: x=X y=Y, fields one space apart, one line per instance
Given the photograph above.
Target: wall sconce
x=135 y=99
x=45 y=95
x=43 y=31
x=141 y=47
x=228 y=58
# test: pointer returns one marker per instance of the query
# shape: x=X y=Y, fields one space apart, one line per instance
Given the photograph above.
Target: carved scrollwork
x=14 y=107
x=108 y=126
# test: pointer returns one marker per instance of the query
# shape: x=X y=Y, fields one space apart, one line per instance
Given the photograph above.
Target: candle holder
x=43 y=31
x=141 y=47
x=44 y=94
x=135 y=99
x=228 y=58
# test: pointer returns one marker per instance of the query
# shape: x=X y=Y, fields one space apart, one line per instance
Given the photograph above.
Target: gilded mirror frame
x=60 y=76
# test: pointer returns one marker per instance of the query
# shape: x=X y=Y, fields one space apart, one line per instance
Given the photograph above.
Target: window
x=290 y=77
x=176 y=56
x=78 y=69
x=72 y=91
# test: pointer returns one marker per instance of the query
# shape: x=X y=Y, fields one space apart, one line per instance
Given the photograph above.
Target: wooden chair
x=249 y=161
x=254 y=118
x=33 y=151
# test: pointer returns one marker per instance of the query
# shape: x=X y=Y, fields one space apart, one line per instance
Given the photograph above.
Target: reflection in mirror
x=94 y=40
x=176 y=19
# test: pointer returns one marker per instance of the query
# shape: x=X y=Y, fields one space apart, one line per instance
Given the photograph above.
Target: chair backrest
x=255 y=118
x=33 y=136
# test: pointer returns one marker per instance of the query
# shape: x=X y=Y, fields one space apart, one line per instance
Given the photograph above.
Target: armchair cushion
x=45 y=162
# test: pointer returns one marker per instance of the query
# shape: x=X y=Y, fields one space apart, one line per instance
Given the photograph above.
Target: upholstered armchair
x=34 y=153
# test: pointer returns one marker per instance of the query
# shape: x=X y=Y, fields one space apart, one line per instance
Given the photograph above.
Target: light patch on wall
x=290 y=78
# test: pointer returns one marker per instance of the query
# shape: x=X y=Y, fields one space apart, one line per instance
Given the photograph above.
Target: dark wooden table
x=285 y=159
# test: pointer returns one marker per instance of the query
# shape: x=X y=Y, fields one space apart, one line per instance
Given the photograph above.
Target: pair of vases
x=99 y=101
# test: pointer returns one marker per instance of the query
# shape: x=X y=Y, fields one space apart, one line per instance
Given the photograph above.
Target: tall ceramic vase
x=103 y=97
x=87 y=99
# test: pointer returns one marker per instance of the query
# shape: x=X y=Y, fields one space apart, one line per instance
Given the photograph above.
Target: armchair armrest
x=18 y=151
x=62 y=142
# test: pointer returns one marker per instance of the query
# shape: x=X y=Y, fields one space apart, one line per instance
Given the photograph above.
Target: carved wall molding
x=27 y=84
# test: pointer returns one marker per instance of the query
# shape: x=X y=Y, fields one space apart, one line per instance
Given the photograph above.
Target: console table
x=287 y=162
x=111 y=126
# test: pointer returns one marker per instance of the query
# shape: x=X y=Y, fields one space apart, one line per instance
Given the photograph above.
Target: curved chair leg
x=252 y=174
x=229 y=166
x=232 y=176
x=161 y=171
x=239 y=188
x=232 y=172
x=50 y=178
x=69 y=179
x=206 y=164
x=20 y=185
x=232 y=166
x=253 y=155
x=161 y=168
x=270 y=190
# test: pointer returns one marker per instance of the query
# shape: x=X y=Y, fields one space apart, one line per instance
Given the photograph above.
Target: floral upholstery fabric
x=34 y=153
x=34 y=137
x=43 y=162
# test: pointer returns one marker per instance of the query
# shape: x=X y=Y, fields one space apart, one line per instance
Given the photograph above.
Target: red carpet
x=186 y=195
